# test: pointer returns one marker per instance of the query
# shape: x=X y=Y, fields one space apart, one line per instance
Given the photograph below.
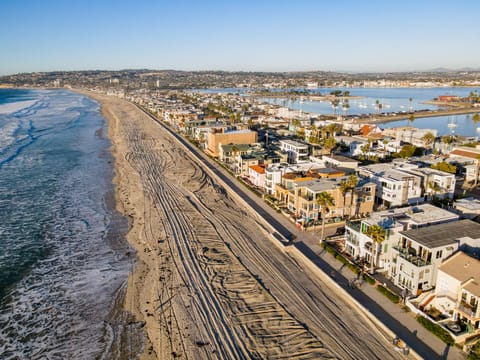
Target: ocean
x=63 y=257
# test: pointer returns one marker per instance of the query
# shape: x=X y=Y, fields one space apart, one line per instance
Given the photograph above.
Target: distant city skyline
x=305 y=35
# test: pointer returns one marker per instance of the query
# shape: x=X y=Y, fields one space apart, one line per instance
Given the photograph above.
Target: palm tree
x=344 y=188
x=435 y=188
x=329 y=144
x=411 y=119
x=428 y=139
x=377 y=234
x=345 y=107
x=335 y=103
x=477 y=171
x=324 y=200
x=385 y=143
x=476 y=118
x=410 y=107
x=352 y=182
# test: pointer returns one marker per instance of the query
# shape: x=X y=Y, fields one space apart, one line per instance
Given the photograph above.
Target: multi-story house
x=302 y=200
x=470 y=158
x=435 y=183
x=394 y=186
x=361 y=247
x=226 y=135
x=296 y=151
x=228 y=152
x=419 y=252
x=339 y=161
x=457 y=290
x=274 y=172
x=256 y=175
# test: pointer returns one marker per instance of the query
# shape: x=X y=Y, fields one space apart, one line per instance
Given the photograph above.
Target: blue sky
x=280 y=35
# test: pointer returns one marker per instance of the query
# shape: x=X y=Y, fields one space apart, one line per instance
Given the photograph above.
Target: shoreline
x=417 y=115
x=125 y=325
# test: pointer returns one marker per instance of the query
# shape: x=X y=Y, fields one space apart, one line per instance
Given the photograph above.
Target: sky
x=232 y=35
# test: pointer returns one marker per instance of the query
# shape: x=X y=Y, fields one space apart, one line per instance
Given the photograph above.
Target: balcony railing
x=467 y=309
x=354 y=225
x=413 y=259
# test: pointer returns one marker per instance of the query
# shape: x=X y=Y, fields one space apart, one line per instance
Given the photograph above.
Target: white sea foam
x=13 y=107
x=57 y=310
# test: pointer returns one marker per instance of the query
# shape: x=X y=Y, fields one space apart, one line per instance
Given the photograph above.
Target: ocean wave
x=13 y=107
x=56 y=307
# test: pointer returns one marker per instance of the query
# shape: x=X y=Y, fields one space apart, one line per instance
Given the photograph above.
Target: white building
x=419 y=252
x=256 y=175
x=394 y=187
x=296 y=151
x=274 y=172
x=457 y=289
x=359 y=246
x=339 y=161
x=468 y=208
x=435 y=183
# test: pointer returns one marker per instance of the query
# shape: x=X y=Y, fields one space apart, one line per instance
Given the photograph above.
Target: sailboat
x=452 y=124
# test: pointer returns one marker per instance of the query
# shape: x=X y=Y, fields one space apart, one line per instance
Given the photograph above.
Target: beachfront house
x=227 y=135
x=419 y=252
x=360 y=247
x=256 y=175
x=457 y=290
x=302 y=200
x=274 y=172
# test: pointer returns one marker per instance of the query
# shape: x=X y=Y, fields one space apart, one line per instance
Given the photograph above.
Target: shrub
x=436 y=330
x=474 y=352
x=368 y=279
x=329 y=249
x=391 y=296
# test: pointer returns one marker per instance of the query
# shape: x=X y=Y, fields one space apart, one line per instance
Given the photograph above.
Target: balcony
x=467 y=309
x=354 y=225
x=413 y=259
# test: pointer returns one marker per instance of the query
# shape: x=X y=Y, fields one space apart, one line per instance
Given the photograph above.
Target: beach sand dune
x=207 y=282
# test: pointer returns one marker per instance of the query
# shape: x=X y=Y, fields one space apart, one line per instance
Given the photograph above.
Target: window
x=439 y=254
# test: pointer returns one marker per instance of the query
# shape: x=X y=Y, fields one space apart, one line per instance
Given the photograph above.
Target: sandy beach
x=207 y=282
